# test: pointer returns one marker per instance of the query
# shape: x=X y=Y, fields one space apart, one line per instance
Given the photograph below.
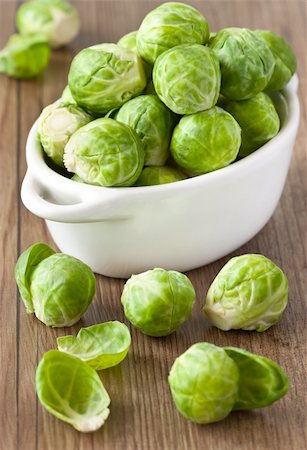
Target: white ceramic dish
x=181 y=226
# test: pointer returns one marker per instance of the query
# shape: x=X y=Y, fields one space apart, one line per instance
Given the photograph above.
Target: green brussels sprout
x=106 y=153
x=285 y=61
x=57 y=20
x=187 y=78
x=151 y=176
x=153 y=123
x=56 y=287
x=100 y=346
x=261 y=380
x=249 y=293
x=169 y=25
x=129 y=41
x=24 y=56
x=72 y=391
x=258 y=120
x=56 y=124
x=67 y=98
x=246 y=61
x=204 y=383
x=206 y=141
x=105 y=76
x=158 y=301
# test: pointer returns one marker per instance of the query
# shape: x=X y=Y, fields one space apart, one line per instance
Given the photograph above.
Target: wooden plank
x=8 y=244
x=143 y=416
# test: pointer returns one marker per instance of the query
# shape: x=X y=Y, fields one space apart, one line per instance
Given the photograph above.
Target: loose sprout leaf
x=72 y=391
x=26 y=264
x=101 y=346
x=261 y=380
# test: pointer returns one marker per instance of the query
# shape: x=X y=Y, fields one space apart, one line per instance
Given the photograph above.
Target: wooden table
x=143 y=416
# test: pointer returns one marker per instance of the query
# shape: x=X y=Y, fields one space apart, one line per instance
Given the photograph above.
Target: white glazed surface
x=180 y=226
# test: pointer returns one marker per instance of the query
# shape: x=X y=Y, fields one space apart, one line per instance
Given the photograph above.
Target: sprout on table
x=57 y=20
x=57 y=288
x=158 y=301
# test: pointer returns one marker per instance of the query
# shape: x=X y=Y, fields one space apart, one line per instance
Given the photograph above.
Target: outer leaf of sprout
x=72 y=391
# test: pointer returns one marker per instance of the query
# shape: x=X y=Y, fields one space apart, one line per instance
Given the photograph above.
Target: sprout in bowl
x=105 y=76
x=153 y=122
x=105 y=152
x=57 y=123
x=170 y=25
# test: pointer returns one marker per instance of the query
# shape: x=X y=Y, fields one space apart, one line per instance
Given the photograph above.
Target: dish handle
x=35 y=199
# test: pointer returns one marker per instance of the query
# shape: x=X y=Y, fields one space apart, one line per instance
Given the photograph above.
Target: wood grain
x=143 y=416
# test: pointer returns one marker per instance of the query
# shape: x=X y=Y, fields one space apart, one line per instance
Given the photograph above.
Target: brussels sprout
x=261 y=381
x=105 y=152
x=67 y=98
x=129 y=41
x=249 y=293
x=57 y=20
x=56 y=124
x=169 y=25
x=159 y=175
x=153 y=123
x=105 y=76
x=157 y=302
x=187 y=78
x=285 y=61
x=206 y=141
x=100 y=346
x=24 y=56
x=246 y=61
x=258 y=120
x=72 y=391
x=204 y=383
x=56 y=287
